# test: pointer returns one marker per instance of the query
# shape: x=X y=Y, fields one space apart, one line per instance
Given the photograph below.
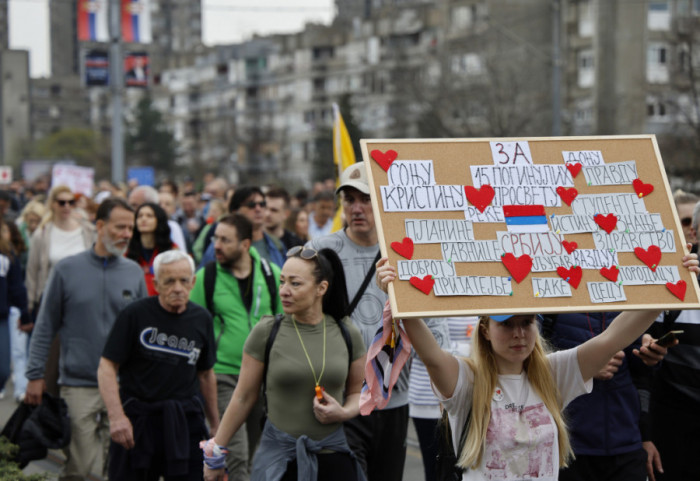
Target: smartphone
x=668 y=338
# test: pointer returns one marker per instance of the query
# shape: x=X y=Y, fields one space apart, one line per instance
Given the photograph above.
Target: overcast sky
x=224 y=21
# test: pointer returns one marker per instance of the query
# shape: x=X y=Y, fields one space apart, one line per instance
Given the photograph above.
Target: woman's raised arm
x=442 y=366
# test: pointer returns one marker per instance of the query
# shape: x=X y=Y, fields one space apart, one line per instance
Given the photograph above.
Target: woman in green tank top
x=312 y=383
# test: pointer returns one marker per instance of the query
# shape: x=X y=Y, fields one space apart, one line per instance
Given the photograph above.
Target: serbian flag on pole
x=136 y=21
x=386 y=357
x=525 y=218
x=343 y=157
x=93 y=23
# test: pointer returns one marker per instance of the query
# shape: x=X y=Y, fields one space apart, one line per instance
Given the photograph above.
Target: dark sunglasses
x=63 y=203
x=306 y=253
x=253 y=204
x=686 y=221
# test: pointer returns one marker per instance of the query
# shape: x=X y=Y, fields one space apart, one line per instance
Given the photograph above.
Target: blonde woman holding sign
x=510 y=393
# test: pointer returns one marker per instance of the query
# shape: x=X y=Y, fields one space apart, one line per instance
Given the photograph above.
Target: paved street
x=413 y=470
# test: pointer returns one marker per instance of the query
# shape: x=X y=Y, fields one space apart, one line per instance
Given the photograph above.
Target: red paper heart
x=569 y=246
x=424 y=285
x=480 y=198
x=574 y=168
x=606 y=222
x=404 y=248
x=610 y=273
x=641 y=188
x=650 y=257
x=572 y=275
x=384 y=159
x=677 y=289
x=519 y=267
x=567 y=195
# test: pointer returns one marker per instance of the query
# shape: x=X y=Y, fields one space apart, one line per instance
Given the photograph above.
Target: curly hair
x=161 y=234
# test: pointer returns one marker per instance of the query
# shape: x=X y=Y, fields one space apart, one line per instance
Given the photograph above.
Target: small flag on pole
x=343 y=157
x=525 y=218
x=136 y=21
x=93 y=23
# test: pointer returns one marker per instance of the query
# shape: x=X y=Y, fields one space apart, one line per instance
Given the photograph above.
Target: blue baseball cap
x=506 y=317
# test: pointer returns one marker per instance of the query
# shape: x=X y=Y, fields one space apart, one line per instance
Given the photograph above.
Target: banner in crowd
x=501 y=226
x=79 y=179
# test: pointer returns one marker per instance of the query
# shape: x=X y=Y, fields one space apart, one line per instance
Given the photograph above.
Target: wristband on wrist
x=214 y=455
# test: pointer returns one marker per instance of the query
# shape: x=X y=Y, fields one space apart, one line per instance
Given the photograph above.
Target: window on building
x=586 y=68
x=659 y=15
x=696 y=7
x=656 y=109
x=586 y=25
x=657 y=63
x=656 y=54
x=461 y=18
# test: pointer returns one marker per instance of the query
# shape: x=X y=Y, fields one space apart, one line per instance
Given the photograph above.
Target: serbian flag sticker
x=525 y=218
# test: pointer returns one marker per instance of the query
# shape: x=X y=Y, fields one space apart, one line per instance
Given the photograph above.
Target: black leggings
x=331 y=467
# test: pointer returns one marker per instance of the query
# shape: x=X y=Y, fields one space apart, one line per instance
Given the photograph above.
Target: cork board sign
x=529 y=225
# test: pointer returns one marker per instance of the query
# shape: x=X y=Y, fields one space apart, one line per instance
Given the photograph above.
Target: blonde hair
x=55 y=192
x=483 y=364
x=33 y=207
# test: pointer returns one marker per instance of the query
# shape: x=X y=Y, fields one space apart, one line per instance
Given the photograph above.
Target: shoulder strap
x=209 y=283
x=348 y=341
x=268 y=347
x=271 y=285
x=363 y=287
x=670 y=318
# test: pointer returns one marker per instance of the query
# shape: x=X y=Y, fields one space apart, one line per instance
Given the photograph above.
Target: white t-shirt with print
x=521 y=440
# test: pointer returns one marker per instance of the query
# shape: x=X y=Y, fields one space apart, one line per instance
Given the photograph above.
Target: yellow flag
x=343 y=157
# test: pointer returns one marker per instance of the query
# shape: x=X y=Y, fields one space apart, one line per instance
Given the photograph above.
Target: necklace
x=318 y=388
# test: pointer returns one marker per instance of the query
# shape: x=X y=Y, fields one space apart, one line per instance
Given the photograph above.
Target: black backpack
x=446 y=460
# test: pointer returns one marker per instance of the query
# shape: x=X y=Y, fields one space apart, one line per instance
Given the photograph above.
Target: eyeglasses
x=306 y=253
x=253 y=204
x=63 y=203
x=686 y=221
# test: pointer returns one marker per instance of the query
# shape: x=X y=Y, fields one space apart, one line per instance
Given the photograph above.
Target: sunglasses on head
x=306 y=253
x=63 y=203
x=252 y=204
x=686 y=221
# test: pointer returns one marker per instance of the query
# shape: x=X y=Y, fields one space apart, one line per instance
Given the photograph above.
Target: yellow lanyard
x=323 y=368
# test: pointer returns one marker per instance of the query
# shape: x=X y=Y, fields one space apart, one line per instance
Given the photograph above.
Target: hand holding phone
x=668 y=339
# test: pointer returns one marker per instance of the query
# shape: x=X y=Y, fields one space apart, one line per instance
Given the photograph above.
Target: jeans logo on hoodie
x=170 y=344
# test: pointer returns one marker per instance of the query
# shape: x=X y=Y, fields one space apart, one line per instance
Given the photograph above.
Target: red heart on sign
x=424 y=285
x=384 y=159
x=641 y=188
x=567 y=195
x=404 y=248
x=610 y=273
x=677 y=289
x=572 y=275
x=569 y=246
x=519 y=267
x=574 y=168
x=606 y=222
x=650 y=257
x=480 y=198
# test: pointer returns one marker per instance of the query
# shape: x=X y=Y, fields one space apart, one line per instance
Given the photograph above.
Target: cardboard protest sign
x=493 y=226
x=79 y=179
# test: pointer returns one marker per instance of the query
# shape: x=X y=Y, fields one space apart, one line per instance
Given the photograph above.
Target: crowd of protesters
x=213 y=255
